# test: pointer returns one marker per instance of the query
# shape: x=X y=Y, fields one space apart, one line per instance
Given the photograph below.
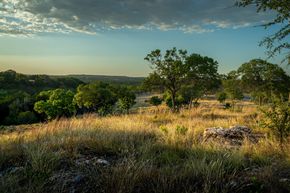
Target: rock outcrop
x=233 y=136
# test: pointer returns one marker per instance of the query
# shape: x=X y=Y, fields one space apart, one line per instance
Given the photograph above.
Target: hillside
x=108 y=79
x=11 y=80
x=153 y=150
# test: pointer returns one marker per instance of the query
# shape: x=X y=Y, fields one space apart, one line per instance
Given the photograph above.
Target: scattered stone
x=66 y=181
x=16 y=170
x=92 y=161
x=233 y=136
x=103 y=162
x=283 y=180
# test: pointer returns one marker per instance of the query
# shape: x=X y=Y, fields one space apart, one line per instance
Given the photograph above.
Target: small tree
x=60 y=103
x=96 y=97
x=232 y=87
x=155 y=101
x=126 y=99
x=175 y=70
x=263 y=79
x=222 y=96
x=277 y=118
x=190 y=94
x=179 y=101
x=169 y=70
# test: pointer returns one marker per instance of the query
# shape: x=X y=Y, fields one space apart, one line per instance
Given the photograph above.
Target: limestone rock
x=233 y=136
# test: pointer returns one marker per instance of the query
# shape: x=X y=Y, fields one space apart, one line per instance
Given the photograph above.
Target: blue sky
x=56 y=38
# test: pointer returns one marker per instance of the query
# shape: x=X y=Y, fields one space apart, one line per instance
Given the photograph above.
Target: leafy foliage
x=126 y=99
x=155 y=100
x=263 y=79
x=232 y=87
x=12 y=104
x=26 y=117
x=10 y=80
x=176 y=69
x=277 y=118
x=95 y=97
x=60 y=103
x=170 y=70
x=221 y=97
x=202 y=73
x=282 y=10
x=190 y=94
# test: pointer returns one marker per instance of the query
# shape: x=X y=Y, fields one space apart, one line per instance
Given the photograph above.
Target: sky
x=112 y=37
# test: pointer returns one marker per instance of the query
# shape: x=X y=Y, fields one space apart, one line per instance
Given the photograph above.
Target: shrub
x=26 y=117
x=277 y=118
x=181 y=130
x=221 y=97
x=155 y=101
x=60 y=103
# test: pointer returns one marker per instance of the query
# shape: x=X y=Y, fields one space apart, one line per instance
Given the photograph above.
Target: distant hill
x=11 y=80
x=108 y=79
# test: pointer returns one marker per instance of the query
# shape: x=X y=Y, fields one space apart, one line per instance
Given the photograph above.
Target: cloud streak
x=28 y=17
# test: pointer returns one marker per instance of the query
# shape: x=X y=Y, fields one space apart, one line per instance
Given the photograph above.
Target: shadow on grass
x=139 y=163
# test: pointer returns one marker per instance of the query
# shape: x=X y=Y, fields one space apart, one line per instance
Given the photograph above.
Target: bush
x=60 y=103
x=277 y=118
x=221 y=97
x=155 y=101
x=27 y=117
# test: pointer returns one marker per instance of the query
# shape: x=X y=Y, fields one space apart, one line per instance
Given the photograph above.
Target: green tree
x=263 y=79
x=153 y=83
x=155 y=101
x=26 y=117
x=95 y=97
x=190 y=94
x=202 y=73
x=277 y=42
x=179 y=101
x=221 y=97
x=277 y=118
x=60 y=103
x=170 y=71
x=175 y=69
x=126 y=98
x=232 y=87
x=12 y=104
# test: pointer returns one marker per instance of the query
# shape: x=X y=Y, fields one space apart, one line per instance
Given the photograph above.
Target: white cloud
x=28 y=17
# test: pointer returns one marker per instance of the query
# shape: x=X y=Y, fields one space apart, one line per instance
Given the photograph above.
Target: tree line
x=185 y=78
x=98 y=97
x=182 y=78
x=26 y=99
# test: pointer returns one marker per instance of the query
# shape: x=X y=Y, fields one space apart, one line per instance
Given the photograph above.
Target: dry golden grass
x=150 y=144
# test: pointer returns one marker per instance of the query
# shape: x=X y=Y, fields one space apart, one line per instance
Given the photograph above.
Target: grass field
x=152 y=150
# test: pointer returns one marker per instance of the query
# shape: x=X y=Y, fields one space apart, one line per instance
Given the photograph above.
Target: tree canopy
x=59 y=104
x=258 y=76
x=175 y=69
x=170 y=70
x=95 y=97
x=277 y=42
x=126 y=98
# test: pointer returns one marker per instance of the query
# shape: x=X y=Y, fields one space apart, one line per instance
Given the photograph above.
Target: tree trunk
x=281 y=140
x=173 y=98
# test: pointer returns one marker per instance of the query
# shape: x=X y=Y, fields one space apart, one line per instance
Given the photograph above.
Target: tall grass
x=150 y=151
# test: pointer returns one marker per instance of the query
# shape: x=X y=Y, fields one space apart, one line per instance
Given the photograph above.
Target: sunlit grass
x=152 y=149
